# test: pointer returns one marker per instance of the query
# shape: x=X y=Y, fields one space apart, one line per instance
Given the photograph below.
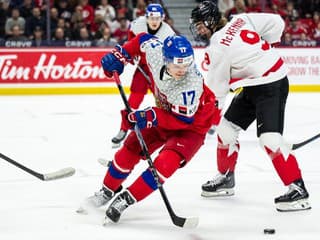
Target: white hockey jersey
x=181 y=96
x=139 y=25
x=240 y=54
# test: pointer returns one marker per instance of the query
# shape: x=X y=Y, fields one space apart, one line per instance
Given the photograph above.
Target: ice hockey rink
x=47 y=133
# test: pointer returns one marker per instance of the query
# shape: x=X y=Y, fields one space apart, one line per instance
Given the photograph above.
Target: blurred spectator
x=291 y=12
x=239 y=7
x=277 y=10
x=77 y=19
x=54 y=17
x=64 y=10
x=121 y=33
x=225 y=5
x=42 y=4
x=26 y=8
x=106 y=10
x=4 y=6
x=140 y=9
x=253 y=6
x=68 y=34
x=15 y=19
x=88 y=15
x=295 y=29
x=17 y=34
x=58 y=37
x=36 y=20
x=15 y=3
x=122 y=9
x=84 y=34
x=106 y=40
x=287 y=40
x=38 y=40
x=316 y=33
x=84 y=39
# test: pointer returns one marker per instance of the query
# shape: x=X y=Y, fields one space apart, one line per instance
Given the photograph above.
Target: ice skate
x=122 y=201
x=97 y=200
x=116 y=141
x=296 y=199
x=221 y=185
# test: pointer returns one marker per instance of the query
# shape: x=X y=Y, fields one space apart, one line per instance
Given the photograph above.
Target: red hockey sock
x=287 y=168
x=227 y=156
x=166 y=164
x=124 y=161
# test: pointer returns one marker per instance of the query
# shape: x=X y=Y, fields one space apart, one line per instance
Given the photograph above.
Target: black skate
x=122 y=201
x=221 y=185
x=118 y=138
x=295 y=199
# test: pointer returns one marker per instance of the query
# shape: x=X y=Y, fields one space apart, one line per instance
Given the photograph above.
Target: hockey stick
x=178 y=221
x=62 y=173
x=301 y=144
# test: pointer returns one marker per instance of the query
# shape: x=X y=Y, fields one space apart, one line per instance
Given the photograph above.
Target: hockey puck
x=269 y=231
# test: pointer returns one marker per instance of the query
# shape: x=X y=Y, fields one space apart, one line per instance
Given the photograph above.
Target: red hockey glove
x=143 y=118
x=115 y=61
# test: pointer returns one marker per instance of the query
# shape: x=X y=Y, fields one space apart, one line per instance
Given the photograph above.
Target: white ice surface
x=47 y=133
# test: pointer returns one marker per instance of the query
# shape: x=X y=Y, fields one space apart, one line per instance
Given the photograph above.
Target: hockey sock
x=166 y=164
x=287 y=168
x=283 y=160
x=227 y=156
x=122 y=165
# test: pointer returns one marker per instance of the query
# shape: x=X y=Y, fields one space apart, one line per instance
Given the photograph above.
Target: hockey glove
x=143 y=118
x=115 y=61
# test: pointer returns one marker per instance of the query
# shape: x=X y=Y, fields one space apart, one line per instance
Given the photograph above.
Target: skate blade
x=107 y=222
x=116 y=145
x=220 y=193
x=299 y=205
x=104 y=162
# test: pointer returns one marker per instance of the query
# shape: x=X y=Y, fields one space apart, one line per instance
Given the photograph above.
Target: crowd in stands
x=104 y=23
x=72 y=23
x=302 y=17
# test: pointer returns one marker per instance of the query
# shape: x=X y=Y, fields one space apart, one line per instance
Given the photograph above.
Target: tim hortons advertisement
x=51 y=66
x=303 y=64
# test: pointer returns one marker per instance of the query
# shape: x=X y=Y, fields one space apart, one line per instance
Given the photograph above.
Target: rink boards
x=78 y=71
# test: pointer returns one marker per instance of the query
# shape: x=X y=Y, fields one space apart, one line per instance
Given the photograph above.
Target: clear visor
x=200 y=32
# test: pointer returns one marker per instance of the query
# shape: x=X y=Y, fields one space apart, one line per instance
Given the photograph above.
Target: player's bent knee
x=271 y=140
x=227 y=132
x=167 y=163
x=125 y=159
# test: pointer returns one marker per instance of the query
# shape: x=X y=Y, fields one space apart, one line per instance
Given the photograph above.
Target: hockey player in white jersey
x=153 y=24
x=240 y=55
